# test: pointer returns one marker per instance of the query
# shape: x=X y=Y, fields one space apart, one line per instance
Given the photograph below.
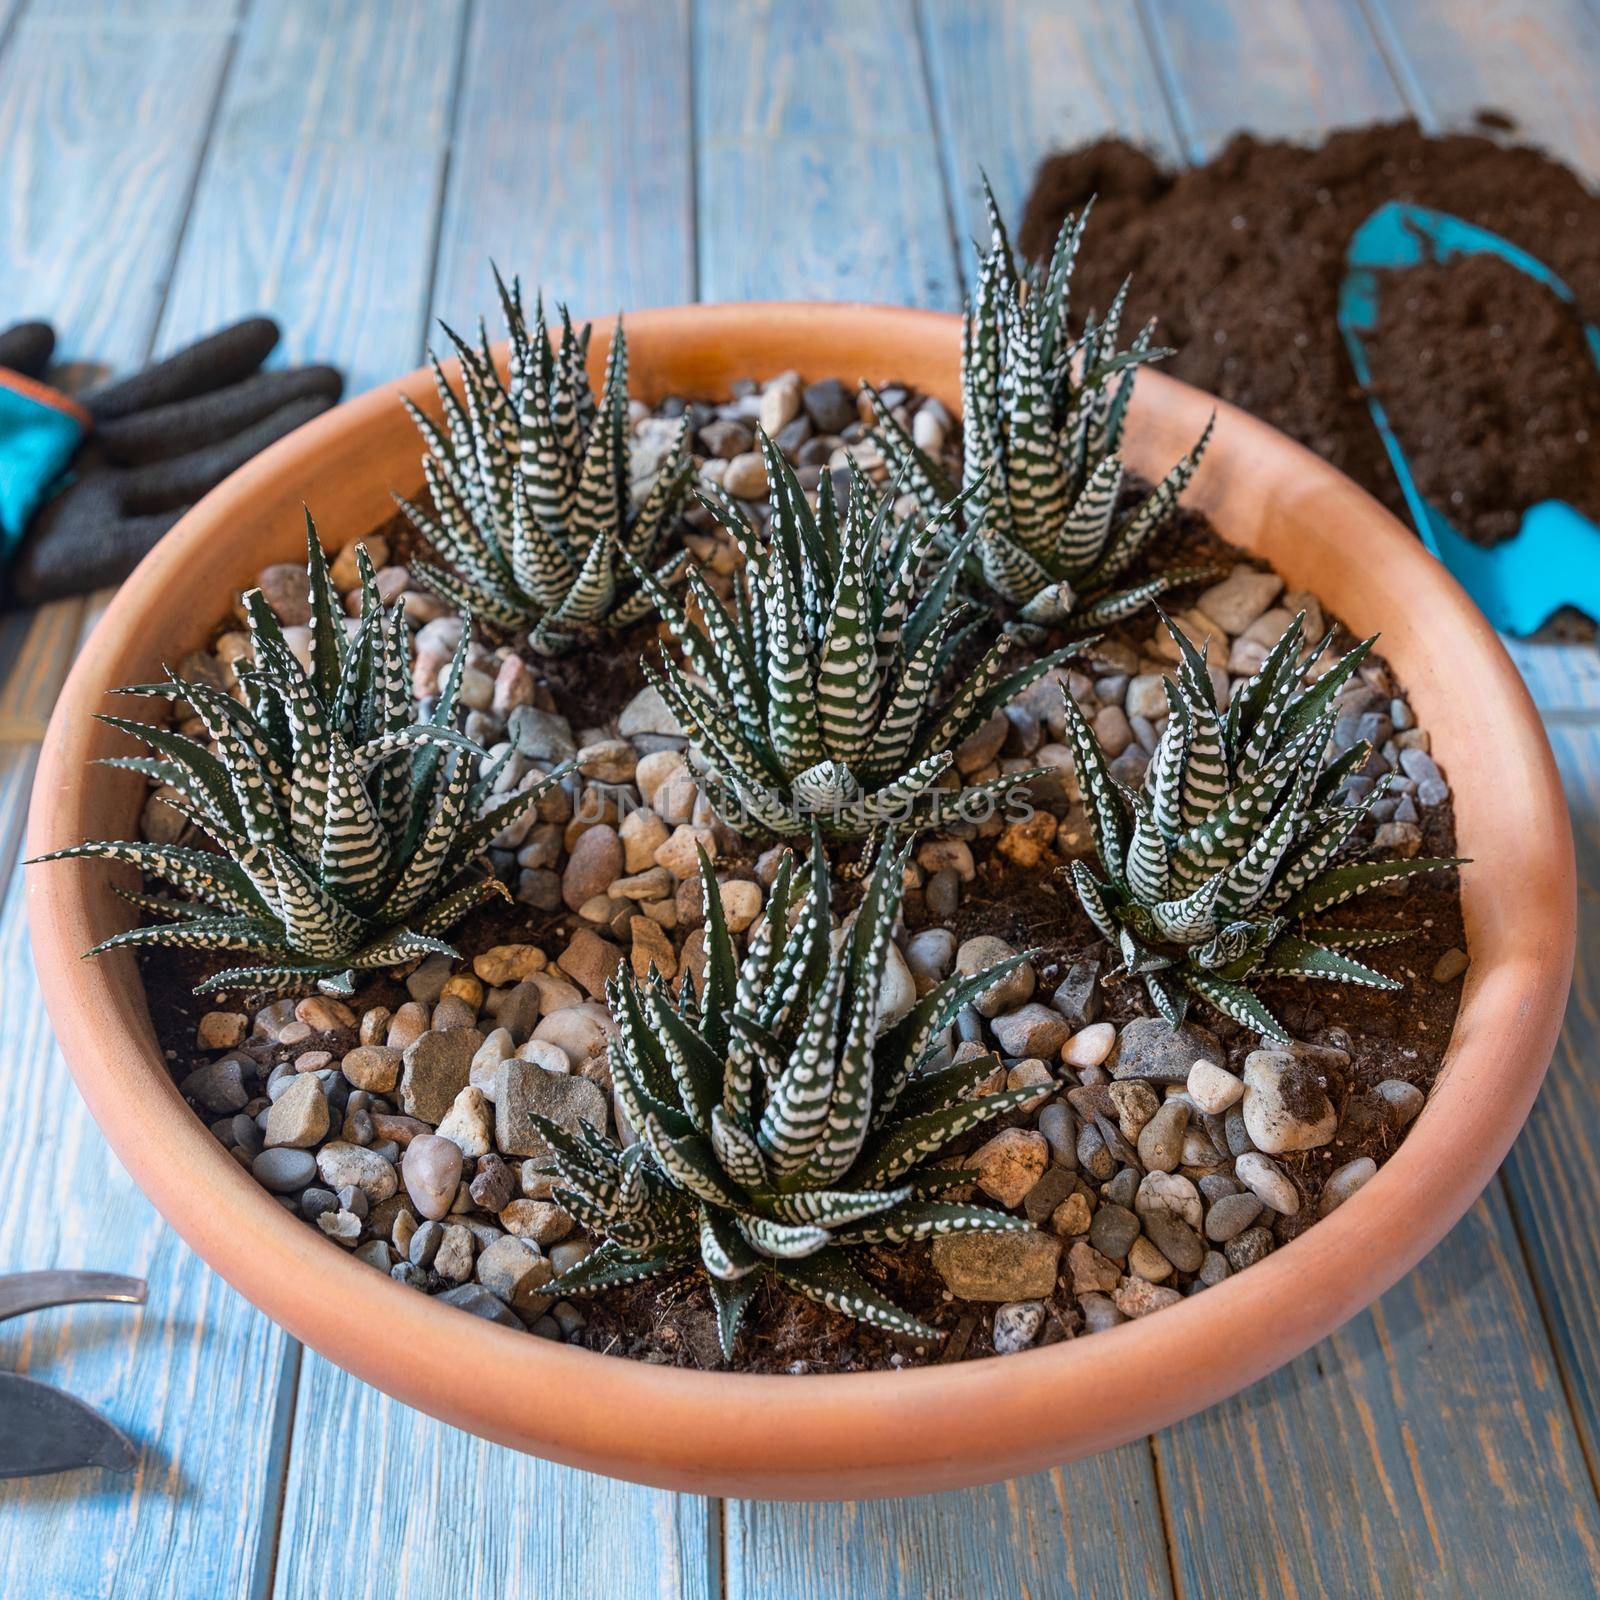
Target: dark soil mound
x=1241 y=259
x=1491 y=389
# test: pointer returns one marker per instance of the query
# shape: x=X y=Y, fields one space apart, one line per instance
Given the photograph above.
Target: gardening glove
x=142 y=449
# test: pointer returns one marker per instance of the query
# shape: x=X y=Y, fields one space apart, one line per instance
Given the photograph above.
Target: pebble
x=1017 y=1325
x=1033 y=1030
x=1077 y=996
x=221 y=1030
x=1286 y=1107
x=1161 y=1139
x=374 y=1067
x=746 y=477
x=1343 y=1182
x=1148 y=1048
x=218 y=1086
x=468 y=1124
x=1178 y=1243
x=436 y=1068
x=1009 y=1164
x=1404 y=1099
x=284 y=1170
x=1266 y=1180
x=591 y=960
x=1240 y=598
x=1072 y=1216
x=542 y=1221
x=1005 y=993
x=1113 y=1231
x=998 y=1266
x=345 y=1166
x=1059 y=1127
x=523 y=1090
x=1450 y=966
x=1134 y=1297
x=1213 y=1088
x=1146 y=1261
x=1090 y=1046
x=431 y=1170
x=1230 y=1215
x=596 y=861
x=578 y=1030
x=299 y=1116
x=514 y=1271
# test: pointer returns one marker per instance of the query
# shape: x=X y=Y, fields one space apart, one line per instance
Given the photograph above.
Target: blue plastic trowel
x=1553 y=559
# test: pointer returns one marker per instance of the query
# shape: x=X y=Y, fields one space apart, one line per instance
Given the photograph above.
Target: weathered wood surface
x=381 y=1502
x=350 y=169
x=1286 y=70
x=1014 y=80
x=818 y=171
x=572 y=163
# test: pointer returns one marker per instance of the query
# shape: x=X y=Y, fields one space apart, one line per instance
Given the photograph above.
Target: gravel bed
x=1152 y=1164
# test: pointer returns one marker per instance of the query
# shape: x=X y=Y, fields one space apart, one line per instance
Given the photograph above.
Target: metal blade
x=34 y=1291
x=45 y=1430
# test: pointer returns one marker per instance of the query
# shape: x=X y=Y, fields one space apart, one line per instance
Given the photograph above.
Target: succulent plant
x=1236 y=836
x=348 y=834
x=780 y=1124
x=819 y=694
x=1042 y=420
x=532 y=491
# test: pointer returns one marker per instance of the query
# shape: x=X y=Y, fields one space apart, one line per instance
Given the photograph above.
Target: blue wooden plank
x=1425 y=1449
x=571 y=163
x=321 y=183
x=1290 y=70
x=1090 y=1529
x=1014 y=80
x=818 y=169
x=192 y=1376
x=1554 y=1171
x=383 y=1502
x=97 y=159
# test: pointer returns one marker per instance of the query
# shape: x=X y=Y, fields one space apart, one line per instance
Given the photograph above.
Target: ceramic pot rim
x=884 y=1432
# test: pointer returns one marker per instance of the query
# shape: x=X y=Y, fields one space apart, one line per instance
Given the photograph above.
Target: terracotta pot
x=863 y=1434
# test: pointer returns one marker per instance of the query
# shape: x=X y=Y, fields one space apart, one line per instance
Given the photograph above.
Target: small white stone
x=1214 y=1088
x=1265 y=1179
x=468 y=1124
x=1090 y=1046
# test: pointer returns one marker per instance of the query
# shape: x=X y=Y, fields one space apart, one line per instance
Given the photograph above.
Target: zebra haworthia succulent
x=349 y=834
x=534 y=507
x=779 y=1123
x=817 y=696
x=1234 y=839
x=1042 y=421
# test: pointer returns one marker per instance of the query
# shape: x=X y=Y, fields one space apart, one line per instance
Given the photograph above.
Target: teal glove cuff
x=40 y=431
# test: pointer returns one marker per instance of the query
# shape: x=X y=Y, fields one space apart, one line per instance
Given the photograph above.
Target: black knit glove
x=160 y=440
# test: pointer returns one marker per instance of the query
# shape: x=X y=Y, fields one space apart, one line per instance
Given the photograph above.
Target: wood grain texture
x=1288 y=70
x=1089 y=1529
x=382 y=1503
x=572 y=158
x=321 y=184
x=1535 y=58
x=97 y=159
x=818 y=168
x=1014 y=80
x=192 y=1377
x=1554 y=1170
x=1424 y=1450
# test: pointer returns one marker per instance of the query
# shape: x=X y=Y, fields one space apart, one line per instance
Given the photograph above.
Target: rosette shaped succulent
x=820 y=695
x=535 y=506
x=1237 y=836
x=1042 y=421
x=781 y=1120
x=348 y=835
